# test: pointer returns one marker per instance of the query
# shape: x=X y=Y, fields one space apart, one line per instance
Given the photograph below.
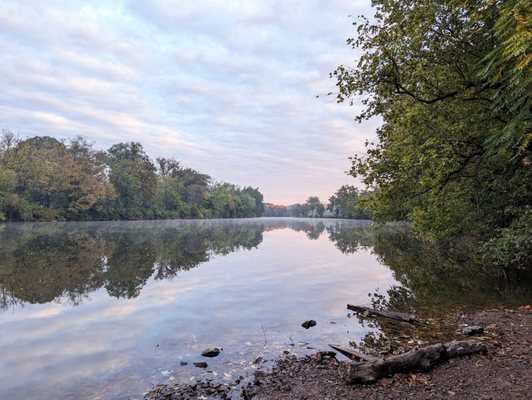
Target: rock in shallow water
x=308 y=324
x=211 y=352
x=200 y=364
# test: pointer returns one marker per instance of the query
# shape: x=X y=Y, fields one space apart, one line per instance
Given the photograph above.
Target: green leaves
x=42 y=178
x=508 y=70
x=451 y=81
x=348 y=202
x=230 y=201
x=314 y=206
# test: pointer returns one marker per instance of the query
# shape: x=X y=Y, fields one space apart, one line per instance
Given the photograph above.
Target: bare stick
x=264 y=333
x=366 y=311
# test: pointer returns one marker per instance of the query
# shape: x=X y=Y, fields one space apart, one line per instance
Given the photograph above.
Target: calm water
x=105 y=310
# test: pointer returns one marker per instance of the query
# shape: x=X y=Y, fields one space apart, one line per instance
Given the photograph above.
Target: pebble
x=200 y=364
x=211 y=352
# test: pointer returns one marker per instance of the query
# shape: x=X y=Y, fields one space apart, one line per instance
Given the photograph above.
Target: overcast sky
x=227 y=87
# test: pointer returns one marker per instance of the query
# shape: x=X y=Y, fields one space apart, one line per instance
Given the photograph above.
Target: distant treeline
x=347 y=202
x=42 y=178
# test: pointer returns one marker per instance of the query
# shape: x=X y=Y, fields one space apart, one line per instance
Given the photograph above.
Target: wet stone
x=200 y=364
x=308 y=324
x=211 y=352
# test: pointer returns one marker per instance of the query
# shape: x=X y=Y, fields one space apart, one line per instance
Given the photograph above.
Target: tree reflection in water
x=436 y=282
x=65 y=262
x=41 y=263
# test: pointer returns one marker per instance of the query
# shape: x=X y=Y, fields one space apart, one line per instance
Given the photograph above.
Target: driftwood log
x=352 y=354
x=421 y=359
x=397 y=316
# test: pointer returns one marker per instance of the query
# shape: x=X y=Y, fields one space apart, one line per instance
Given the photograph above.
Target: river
x=105 y=310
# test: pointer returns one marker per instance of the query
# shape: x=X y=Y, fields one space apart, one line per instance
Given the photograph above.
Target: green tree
x=315 y=207
x=8 y=181
x=254 y=202
x=133 y=176
x=39 y=164
x=45 y=178
x=196 y=185
x=508 y=70
x=221 y=200
x=169 y=195
x=230 y=201
x=168 y=166
x=88 y=189
x=59 y=180
x=423 y=70
x=348 y=202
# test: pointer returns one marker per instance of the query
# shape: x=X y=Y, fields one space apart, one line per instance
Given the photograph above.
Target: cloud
x=229 y=88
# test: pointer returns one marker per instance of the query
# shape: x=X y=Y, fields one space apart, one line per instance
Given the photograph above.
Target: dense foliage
x=42 y=178
x=348 y=202
x=452 y=82
x=312 y=208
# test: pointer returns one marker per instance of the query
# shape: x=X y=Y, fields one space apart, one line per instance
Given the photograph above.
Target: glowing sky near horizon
x=227 y=87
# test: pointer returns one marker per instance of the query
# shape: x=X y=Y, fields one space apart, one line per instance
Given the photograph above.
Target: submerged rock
x=308 y=324
x=211 y=352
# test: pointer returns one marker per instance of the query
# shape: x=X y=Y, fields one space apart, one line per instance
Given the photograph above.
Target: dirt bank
x=505 y=372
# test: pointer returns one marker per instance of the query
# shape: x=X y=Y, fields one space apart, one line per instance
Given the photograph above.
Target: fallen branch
x=352 y=354
x=366 y=311
x=414 y=360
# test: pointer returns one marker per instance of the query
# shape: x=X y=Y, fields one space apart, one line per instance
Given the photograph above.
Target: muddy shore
x=504 y=372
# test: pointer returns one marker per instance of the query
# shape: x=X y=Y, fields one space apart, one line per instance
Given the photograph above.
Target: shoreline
x=502 y=373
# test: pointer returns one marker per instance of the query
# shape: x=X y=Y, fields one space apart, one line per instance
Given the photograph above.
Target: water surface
x=107 y=309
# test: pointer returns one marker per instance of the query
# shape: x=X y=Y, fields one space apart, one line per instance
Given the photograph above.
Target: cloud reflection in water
x=86 y=304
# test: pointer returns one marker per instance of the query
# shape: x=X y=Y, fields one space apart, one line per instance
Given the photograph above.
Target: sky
x=226 y=87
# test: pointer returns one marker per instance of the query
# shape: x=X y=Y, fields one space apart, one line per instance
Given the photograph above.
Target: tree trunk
x=421 y=359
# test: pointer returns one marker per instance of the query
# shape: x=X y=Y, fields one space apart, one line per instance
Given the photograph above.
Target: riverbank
x=502 y=373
